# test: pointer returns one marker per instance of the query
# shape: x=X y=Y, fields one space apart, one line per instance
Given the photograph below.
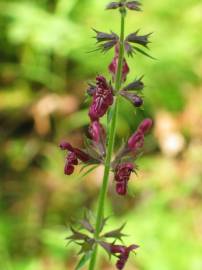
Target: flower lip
x=72 y=158
x=68 y=169
x=121 y=188
x=82 y=155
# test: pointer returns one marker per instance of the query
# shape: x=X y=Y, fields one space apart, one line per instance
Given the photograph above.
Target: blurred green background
x=44 y=68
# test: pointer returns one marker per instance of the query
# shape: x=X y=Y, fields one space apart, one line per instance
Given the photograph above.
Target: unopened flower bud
x=136 y=141
x=113 y=5
x=106 y=41
x=141 y=40
x=102 y=36
x=97 y=132
x=121 y=188
x=145 y=125
x=133 y=5
x=113 y=67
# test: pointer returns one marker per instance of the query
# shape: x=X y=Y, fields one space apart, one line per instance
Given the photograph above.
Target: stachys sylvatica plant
x=105 y=96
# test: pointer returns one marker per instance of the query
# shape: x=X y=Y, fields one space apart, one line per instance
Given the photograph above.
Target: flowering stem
x=110 y=147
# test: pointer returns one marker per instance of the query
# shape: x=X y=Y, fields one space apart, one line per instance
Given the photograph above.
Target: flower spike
x=99 y=143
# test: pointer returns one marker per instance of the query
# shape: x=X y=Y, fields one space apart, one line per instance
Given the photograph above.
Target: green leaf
x=83 y=260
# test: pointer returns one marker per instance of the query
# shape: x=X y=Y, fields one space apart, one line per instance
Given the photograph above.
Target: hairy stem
x=110 y=146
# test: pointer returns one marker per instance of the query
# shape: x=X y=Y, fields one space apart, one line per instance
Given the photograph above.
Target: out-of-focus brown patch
x=167 y=131
x=191 y=118
x=48 y=105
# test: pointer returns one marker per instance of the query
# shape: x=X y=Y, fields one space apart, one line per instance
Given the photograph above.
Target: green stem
x=110 y=147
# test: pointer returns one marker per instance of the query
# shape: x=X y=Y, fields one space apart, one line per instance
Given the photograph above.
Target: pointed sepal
x=135 y=85
x=117 y=234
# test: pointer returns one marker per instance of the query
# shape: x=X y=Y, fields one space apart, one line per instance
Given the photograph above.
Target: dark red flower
x=72 y=158
x=68 y=169
x=102 y=99
x=122 y=176
x=123 y=252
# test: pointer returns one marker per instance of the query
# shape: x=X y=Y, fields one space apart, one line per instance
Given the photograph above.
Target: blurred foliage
x=44 y=66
